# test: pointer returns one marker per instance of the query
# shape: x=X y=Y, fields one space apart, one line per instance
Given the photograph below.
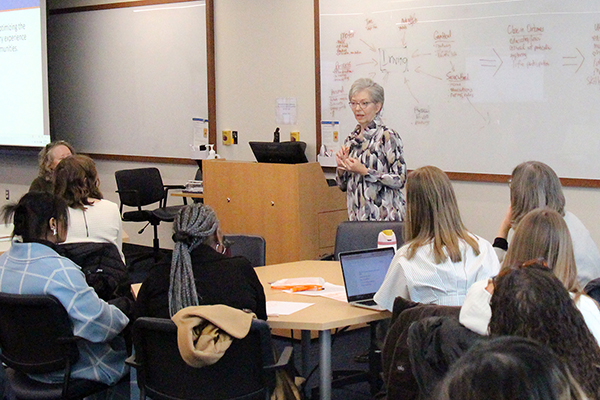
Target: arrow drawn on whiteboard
x=492 y=62
x=416 y=54
x=570 y=61
x=372 y=75
x=374 y=62
x=410 y=90
x=418 y=70
x=452 y=65
x=373 y=48
x=404 y=40
x=385 y=76
x=486 y=119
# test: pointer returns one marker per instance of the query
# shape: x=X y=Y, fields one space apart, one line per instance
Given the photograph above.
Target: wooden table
x=324 y=315
x=192 y=195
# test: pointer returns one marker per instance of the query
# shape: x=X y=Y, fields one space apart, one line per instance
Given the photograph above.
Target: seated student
x=48 y=159
x=199 y=272
x=542 y=233
x=91 y=217
x=440 y=258
x=509 y=368
x=534 y=185
x=32 y=266
x=530 y=301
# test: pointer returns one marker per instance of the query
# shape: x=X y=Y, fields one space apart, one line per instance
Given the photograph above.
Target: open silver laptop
x=364 y=272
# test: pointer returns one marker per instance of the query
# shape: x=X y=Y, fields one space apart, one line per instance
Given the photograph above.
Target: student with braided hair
x=199 y=272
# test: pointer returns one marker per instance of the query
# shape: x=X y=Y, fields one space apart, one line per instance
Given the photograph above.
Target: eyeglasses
x=362 y=104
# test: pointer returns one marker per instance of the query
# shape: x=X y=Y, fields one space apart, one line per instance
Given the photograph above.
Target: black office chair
x=141 y=187
x=360 y=235
x=36 y=337
x=253 y=247
x=245 y=372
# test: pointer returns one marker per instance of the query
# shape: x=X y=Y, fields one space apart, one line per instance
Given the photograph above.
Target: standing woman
x=440 y=259
x=370 y=164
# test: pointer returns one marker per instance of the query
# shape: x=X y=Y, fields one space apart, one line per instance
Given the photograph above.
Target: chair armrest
x=132 y=362
x=284 y=360
x=137 y=198
x=166 y=196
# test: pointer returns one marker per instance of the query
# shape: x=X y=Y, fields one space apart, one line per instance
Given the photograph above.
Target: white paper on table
x=331 y=291
x=276 y=308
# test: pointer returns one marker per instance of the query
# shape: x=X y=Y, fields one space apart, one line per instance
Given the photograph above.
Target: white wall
x=265 y=51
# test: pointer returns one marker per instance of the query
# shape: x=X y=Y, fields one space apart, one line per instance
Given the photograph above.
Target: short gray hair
x=535 y=185
x=375 y=89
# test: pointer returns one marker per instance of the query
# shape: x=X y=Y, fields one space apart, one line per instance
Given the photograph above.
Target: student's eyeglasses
x=362 y=104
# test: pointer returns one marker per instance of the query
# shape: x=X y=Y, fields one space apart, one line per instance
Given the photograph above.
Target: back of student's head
x=46 y=158
x=543 y=233
x=509 y=368
x=31 y=215
x=76 y=180
x=534 y=185
x=432 y=215
x=194 y=225
x=529 y=301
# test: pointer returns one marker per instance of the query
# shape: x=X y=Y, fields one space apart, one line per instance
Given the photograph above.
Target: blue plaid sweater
x=34 y=268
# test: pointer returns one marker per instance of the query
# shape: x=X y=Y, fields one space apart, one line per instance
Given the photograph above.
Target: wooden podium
x=291 y=206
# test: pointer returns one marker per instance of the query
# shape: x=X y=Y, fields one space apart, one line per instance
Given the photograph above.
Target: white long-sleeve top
x=421 y=279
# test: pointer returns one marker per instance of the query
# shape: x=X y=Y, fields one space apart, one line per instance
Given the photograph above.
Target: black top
x=219 y=280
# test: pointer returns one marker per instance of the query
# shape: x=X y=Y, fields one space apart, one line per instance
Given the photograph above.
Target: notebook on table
x=364 y=272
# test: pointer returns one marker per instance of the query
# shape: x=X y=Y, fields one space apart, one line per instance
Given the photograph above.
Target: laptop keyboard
x=368 y=302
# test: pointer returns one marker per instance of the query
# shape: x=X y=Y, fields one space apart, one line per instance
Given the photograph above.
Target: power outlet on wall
x=7 y=194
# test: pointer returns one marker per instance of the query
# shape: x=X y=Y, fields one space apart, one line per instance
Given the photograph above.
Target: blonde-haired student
x=440 y=258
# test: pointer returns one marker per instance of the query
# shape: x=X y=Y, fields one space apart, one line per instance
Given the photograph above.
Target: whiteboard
x=473 y=86
x=128 y=81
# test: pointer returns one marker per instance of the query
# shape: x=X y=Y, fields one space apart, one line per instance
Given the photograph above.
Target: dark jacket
x=398 y=377
x=219 y=280
x=435 y=343
x=103 y=267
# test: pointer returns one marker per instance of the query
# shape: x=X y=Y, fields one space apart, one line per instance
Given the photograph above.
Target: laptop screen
x=364 y=271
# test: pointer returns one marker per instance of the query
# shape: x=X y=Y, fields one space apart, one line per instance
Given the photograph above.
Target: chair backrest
x=397 y=370
x=164 y=375
x=253 y=247
x=34 y=333
x=139 y=187
x=359 y=235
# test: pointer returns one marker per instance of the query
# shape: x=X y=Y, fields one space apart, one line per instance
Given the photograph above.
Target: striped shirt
x=421 y=279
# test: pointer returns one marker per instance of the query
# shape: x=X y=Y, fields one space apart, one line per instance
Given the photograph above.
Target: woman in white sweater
x=542 y=233
x=536 y=185
x=91 y=218
x=440 y=259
